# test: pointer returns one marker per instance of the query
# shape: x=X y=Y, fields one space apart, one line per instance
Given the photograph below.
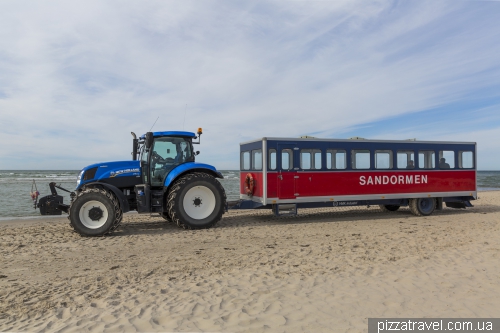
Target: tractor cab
x=162 y=152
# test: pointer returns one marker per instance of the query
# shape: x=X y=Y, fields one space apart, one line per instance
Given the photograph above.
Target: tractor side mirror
x=149 y=139
x=197 y=153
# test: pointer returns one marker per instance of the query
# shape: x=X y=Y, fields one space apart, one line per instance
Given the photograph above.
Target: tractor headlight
x=79 y=178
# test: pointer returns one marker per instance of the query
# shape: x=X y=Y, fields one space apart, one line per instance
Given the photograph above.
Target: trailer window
x=426 y=159
x=272 y=159
x=361 y=159
x=406 y=159
x=383 y=159
x=286 y=159
x=257 y=159
x=446 y=159
x=245 y=160
x=465 y=160
x=317 y=159
x=310 y=159
x=336 y=159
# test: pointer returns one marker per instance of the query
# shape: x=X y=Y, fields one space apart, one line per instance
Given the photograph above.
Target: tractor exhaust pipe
x=135 y=142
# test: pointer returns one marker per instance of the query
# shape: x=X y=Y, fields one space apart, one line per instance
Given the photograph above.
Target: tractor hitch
x=53 y=204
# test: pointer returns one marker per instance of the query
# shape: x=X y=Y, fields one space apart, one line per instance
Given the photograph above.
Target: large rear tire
x=196 y=201
x=422 y=206
x=166 y=216
x=94 y=212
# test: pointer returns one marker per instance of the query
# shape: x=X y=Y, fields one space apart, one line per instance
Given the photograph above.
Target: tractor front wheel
x=94 y=212
x=196 y=201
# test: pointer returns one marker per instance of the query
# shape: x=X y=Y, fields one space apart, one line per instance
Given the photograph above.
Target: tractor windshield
x=167 y=153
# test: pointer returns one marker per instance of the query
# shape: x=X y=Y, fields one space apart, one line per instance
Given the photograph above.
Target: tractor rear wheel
x=166 y=216
x=94 y=212
x=422 y=206
x=196 y=201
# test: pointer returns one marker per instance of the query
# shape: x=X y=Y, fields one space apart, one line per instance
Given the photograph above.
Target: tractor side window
x=336 y=159
x=172 y=150
x=257 y=159
x=186 y=151
x=361 y=159
x=144 y=154
x=144 y=159
x=426 y=159
x=383 y=159
x=286 y=159
x=406 y=159
x=465 y=160
x=245 y=160
x=272 y=159
x=165 y=149
x=166 y=154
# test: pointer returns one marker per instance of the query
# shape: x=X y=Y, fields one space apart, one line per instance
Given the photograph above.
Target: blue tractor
x=162 y=178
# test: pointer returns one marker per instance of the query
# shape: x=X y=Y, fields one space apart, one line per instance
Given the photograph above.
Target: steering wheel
x=157 y=158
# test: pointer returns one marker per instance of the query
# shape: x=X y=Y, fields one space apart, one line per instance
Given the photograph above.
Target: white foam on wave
x=41 y=180
x=31 y=217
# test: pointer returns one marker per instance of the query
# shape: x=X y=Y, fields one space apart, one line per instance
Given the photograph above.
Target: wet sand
x=326 y=270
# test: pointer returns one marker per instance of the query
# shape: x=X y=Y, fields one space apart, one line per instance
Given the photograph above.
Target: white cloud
x=77 y=77
x=486 y=146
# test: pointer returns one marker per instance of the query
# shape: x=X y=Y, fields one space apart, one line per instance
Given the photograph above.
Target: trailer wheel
x=196 y=201
x=422 y=206
x=94 y=212
x=389 y=208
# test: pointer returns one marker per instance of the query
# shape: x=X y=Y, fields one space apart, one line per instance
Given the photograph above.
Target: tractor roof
x=172 y=133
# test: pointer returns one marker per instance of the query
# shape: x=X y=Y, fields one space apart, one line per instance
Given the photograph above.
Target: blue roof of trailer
x=172 y=133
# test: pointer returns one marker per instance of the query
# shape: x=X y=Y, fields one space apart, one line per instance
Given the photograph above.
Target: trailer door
x=286 y=171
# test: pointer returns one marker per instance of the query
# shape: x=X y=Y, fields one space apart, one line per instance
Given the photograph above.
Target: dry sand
x=327 y=270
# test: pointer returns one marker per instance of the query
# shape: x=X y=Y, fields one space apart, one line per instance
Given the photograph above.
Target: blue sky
x=76 y=77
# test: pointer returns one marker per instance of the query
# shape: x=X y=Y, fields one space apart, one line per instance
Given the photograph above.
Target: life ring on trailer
x=249 y=184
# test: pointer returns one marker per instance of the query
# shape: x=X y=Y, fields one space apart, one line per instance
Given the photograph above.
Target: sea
x=16 y=186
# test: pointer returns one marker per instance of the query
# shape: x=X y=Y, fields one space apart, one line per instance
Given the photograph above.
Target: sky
x=76 y=77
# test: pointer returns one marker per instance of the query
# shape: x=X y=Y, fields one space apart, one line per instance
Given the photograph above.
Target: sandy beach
x=326 y=270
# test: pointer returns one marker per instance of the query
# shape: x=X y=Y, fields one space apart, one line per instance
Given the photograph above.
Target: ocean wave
x=61 y=176
x=21 y=176
x=41 y=180
x=480 y=189
x=31 y=217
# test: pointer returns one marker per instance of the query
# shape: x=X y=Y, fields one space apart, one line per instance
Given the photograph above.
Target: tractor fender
x=122 y=199
x=190 y=167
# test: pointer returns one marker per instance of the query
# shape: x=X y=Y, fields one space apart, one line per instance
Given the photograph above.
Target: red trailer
x=289 y=173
